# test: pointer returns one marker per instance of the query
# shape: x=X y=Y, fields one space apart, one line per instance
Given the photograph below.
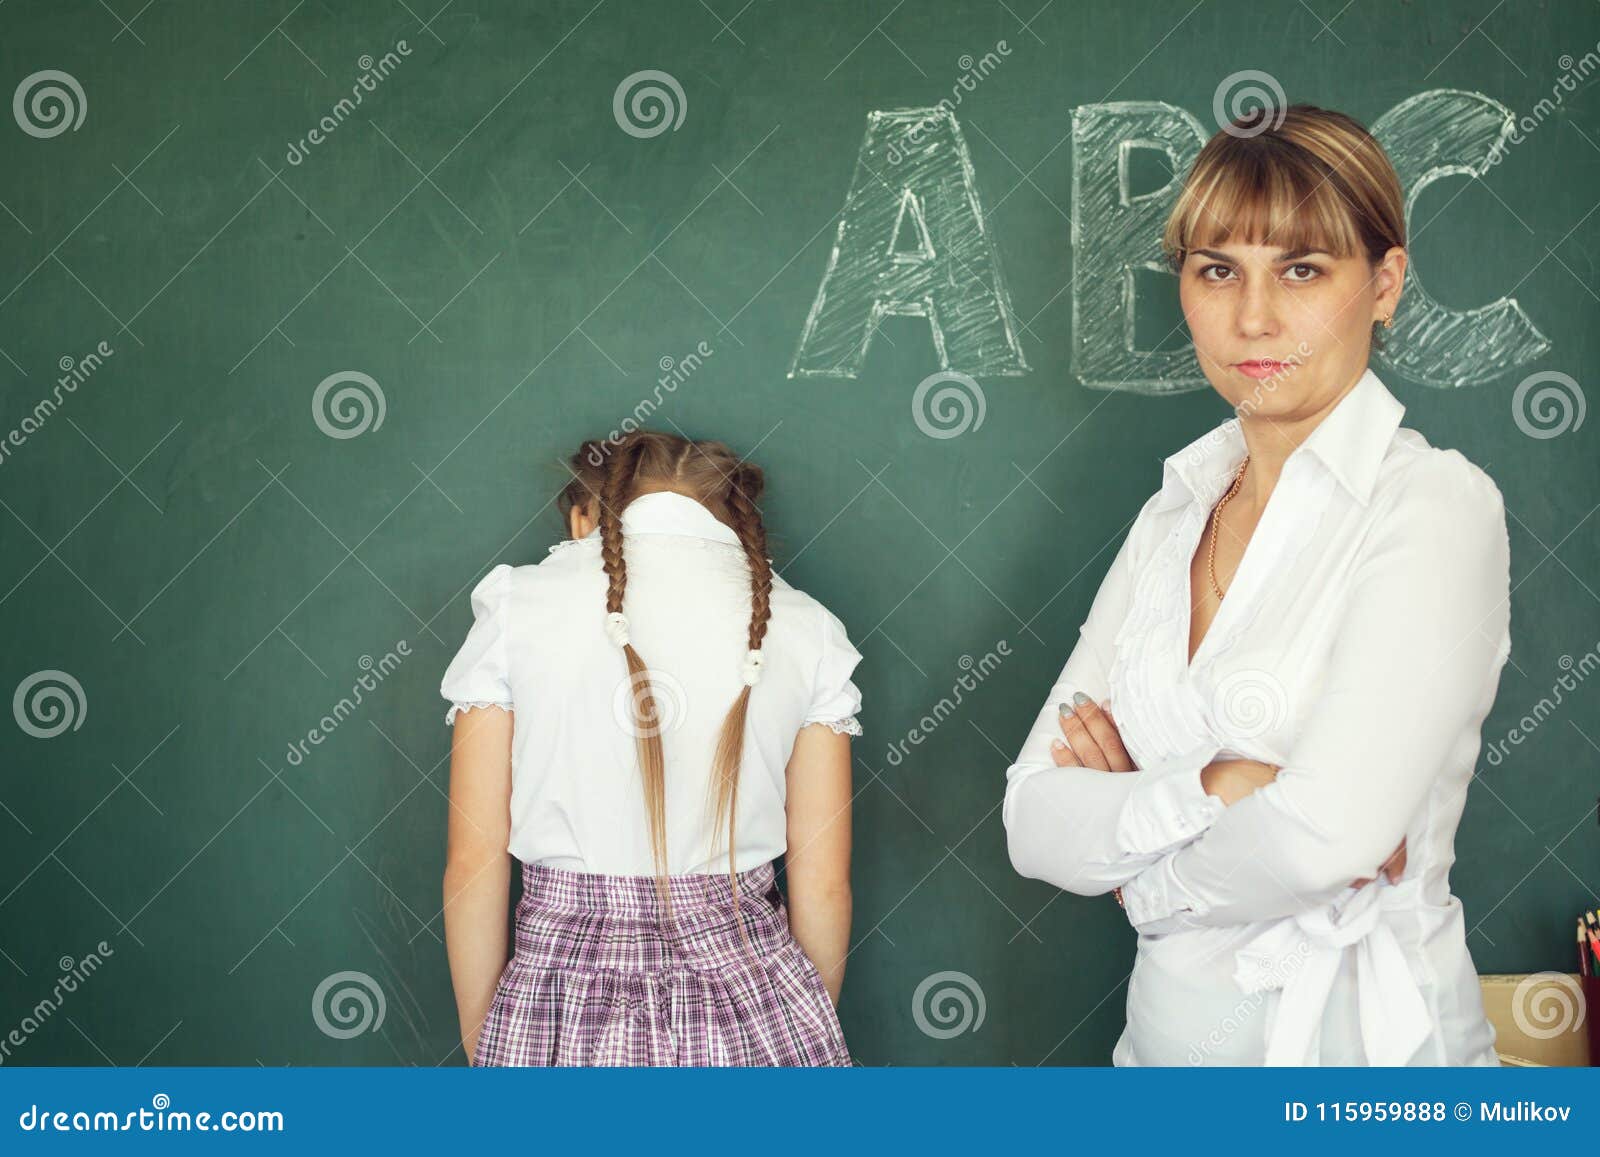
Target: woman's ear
x=1389 y=277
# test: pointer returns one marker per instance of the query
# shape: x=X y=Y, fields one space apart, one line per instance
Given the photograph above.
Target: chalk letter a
x=912 y=242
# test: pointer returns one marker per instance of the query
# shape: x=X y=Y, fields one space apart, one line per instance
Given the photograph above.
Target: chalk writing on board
x=1436 y=134
x=1115 y=233
x=912 y=242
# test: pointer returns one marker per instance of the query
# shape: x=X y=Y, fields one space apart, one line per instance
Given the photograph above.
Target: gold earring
x=1388 y=322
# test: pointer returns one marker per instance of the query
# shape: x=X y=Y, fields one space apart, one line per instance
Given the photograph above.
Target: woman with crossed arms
x=1263 y=738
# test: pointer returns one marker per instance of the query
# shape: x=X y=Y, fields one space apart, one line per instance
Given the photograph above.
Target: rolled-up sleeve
x=479 y=675
x=1411 y=675
x=1084 y=830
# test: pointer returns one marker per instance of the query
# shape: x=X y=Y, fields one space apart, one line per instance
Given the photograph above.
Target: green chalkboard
x=304 y=303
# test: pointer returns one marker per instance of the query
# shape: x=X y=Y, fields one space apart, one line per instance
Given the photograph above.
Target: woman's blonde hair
x=1301 y=177
x=610 y=474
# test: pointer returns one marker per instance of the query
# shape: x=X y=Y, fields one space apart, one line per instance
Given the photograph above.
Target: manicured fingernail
x=1065 y=708
x=1056 y=745
x=1082 y=700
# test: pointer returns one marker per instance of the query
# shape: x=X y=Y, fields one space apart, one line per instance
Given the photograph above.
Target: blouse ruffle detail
x=1158 y=708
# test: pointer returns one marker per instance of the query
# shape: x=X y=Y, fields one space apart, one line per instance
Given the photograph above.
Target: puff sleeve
x=835 y=700
x=478 y=676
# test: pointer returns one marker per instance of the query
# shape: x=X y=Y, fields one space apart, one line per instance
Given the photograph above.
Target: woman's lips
x=1260 y=369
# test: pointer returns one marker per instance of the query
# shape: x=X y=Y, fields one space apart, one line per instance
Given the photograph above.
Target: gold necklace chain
x=1216 y=517
x=1211 y=567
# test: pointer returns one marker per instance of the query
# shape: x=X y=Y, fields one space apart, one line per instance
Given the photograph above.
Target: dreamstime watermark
x=649 y=704
x=74 y=372
x=1547 y=1005
x=648 y=103
x=347 y=1004
x=1241 y=93
x=1573 y=74
x=1545 y=708
x=947 y=704
x=1268 y=385
x=1272 y=979
x=47 y=104
x=373 y=73
x=947 y=404
x=973 y=73
x=674 y=373
x=377 y=672
x=156 y=1119
x=49 y=702
x=73 y=973
x=350 y=411
x=948 y=1004
x=1548 y=404
x=1264 y=388
x=1249 y=703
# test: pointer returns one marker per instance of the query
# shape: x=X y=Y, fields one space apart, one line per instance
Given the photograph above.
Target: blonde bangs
x=1316 y=181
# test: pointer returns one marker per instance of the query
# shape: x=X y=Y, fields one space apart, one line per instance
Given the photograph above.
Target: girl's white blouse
x=538 y=648
x=1358 y=649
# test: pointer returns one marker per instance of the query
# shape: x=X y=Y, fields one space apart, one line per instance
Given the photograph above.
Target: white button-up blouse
x=538 y=648
x=1358 y=649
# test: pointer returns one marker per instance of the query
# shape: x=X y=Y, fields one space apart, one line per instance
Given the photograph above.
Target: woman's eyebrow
x=1286 y=255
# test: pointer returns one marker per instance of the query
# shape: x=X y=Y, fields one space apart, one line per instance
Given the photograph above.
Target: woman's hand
x=1394 y=867
x=1093 y=741
x=1230 y=780
x=1092 y=738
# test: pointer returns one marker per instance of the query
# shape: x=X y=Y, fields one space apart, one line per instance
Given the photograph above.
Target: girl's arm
x=1083 y=829
x=1410 y=678
x=817 y=861
x=477 y=875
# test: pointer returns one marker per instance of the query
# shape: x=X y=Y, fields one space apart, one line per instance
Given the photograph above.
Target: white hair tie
x=617 y=628
x=752 y=667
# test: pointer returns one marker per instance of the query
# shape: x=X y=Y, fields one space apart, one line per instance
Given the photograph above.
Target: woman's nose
x=1258 y=311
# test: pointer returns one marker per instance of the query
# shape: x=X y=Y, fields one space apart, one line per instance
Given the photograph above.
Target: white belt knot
x=1300 y=955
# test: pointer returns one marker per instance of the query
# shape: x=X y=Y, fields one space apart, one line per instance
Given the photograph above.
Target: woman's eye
x=1310 y=272
x=1222 y=270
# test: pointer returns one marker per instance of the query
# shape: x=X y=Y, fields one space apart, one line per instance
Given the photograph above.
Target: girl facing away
x=646 y=720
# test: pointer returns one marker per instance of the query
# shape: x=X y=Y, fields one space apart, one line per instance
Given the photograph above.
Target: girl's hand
x=1092 y=738
x=1394 y=867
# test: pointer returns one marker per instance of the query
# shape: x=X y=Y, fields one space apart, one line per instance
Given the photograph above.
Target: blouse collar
x=1351 y=442
x=668 y=512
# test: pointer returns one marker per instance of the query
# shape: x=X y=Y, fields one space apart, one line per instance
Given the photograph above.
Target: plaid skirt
x=598 y=978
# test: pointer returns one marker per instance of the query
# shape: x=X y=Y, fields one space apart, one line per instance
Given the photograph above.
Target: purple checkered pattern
x=598 y=978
